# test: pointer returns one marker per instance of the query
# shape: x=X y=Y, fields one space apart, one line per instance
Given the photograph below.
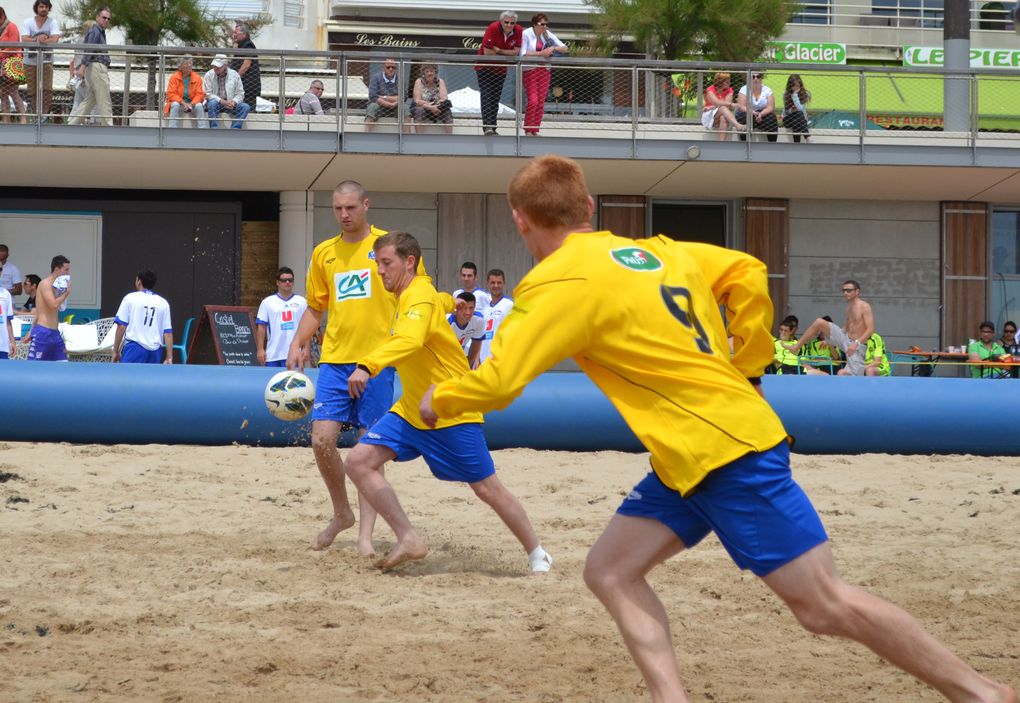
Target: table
x=924 y=363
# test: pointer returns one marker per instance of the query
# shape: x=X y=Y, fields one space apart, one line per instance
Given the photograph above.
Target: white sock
x=540 y=560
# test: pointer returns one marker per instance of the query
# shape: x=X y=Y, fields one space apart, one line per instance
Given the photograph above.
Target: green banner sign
x=979 y=58
x=805 y=52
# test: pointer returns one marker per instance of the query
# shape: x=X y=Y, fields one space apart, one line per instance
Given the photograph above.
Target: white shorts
x=708 y=117
x=855 y=361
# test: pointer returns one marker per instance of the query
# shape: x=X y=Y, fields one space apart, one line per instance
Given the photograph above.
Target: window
x=910 y=13
x=1004 y=284
x=235 y=9
x=814 y=13
x=294 y=13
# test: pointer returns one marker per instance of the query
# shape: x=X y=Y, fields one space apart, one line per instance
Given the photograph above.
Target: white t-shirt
x=282 y=318
x=147 y=318
x=10 y=276
x=494 y=315
x=482 y=297
x=30 y=28
x=763 y=100
x=474 y=329
x=6 y=313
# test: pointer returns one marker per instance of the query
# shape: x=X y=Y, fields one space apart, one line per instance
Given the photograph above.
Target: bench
x=255 y=120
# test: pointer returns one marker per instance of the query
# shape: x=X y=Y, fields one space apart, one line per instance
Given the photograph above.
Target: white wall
x=35 y=238
x=891 y=248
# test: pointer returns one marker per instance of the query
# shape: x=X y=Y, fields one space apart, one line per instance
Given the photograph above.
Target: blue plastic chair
x=183 y=346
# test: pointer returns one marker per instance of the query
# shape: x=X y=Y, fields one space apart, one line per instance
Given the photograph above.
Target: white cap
x=220 y=60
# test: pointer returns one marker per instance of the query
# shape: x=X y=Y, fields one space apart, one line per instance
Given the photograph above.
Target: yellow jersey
x=424 y=350
x=642 y=320
x=343 y=281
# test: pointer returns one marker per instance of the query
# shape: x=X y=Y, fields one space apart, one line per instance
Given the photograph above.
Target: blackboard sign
x=226 y=336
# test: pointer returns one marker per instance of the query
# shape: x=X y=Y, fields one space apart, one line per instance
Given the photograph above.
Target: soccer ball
x=290 y=395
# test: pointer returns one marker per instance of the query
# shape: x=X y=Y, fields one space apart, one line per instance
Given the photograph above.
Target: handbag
x=13 y=69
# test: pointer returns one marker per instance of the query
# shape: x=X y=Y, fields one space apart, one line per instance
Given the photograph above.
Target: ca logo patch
x=353 y=284
x=636 y=259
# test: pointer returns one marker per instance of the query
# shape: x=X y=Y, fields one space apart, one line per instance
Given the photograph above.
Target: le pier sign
x=933 y=56
x=805 y=52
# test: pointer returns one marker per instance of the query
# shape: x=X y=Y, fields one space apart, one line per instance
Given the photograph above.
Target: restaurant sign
x=935 y=56
x=400 y=42
x=805 y=52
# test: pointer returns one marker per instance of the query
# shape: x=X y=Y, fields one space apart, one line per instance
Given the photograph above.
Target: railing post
x=281 y=99
x=340 y=86
x=342 y=62
x=748 y=110
x=401 y=105
x=634 y=105
x=518 y=105
x=862 y=115
x=160 y=99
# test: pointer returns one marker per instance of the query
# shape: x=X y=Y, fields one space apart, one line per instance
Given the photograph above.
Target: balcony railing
x=621 y=102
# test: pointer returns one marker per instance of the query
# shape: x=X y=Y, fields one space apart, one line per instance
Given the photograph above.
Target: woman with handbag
x=429 y=101
x=539 y=43
x=12 y=69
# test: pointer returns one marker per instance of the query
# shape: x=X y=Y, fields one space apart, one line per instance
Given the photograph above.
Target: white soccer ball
x=290 y=395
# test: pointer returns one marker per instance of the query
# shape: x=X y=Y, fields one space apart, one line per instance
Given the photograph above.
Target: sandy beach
x=159 y=573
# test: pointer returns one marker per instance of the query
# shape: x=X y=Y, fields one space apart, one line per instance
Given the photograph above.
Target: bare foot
x=410 y=548
x=338 y=524
x=366 y=549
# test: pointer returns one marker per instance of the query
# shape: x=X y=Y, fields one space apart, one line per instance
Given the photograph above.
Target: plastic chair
x=183 y=346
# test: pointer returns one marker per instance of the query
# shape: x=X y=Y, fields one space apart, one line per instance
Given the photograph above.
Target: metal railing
x=565 y=97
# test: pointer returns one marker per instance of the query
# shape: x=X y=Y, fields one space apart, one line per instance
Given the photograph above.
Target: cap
x=220 y=60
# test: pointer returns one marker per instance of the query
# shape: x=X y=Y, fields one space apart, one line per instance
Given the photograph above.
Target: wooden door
x=767 y=237
x=964 y=271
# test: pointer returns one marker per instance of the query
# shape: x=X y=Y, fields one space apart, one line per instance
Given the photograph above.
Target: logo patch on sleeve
x=636 y=259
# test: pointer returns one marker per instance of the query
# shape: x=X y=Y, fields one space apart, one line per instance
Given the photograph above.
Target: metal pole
x=281 y=101
x=862 y=116
x=956 y=42
x=634 y=104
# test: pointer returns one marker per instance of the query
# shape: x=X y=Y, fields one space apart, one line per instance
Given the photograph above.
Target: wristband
x=365 y=369
x=754 y=380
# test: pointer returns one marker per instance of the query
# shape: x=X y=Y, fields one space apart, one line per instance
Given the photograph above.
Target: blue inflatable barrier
x=141 y=404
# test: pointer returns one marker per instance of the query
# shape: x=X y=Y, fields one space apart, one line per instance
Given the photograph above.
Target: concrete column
x=956 y=42
x=296 y=235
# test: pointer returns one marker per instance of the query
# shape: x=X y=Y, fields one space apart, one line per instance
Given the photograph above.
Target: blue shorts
x=4 y=355
x=47 y=345
x=756 y=509
x=279 y=363
x=135 y=353
x=333 y=403
x=456 y=453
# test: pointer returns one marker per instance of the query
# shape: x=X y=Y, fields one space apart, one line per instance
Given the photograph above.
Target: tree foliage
x=158 y=22
x=711 y=30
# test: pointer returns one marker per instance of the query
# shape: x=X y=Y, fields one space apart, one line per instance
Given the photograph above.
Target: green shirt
x=984 y=353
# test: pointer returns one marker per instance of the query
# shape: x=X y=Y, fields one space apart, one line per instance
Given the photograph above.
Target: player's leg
x=373 y=405
x=331 y=468
x=390 y=438
x=493 y=493
x=825 y=605
x=366 y=517
x=819 y=326
x=615 y=572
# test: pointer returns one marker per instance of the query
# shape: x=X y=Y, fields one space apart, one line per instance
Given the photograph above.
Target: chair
x=183 y=346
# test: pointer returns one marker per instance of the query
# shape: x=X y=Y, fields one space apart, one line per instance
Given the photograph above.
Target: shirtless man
x=852 y=338
x=47 y=344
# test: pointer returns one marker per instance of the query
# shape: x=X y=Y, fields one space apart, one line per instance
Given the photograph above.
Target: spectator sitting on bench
x=382 y=94
x=430 y=102
x=224 y=92
x=987 y=348
x=876 y=361
x=762 y=107
x=309 y=103
x=184 y=94
x=785 y=361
